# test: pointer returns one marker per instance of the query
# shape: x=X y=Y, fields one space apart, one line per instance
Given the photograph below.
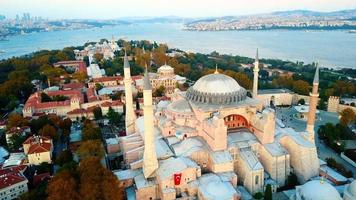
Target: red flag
x=177 y=178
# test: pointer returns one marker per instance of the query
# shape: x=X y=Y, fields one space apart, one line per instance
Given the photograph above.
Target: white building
x=12 y=184
x=94 y=71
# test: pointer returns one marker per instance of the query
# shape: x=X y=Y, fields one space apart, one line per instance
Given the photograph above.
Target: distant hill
x=348 y=14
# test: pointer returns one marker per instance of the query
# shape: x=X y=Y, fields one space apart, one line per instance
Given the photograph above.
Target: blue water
x=330 y=48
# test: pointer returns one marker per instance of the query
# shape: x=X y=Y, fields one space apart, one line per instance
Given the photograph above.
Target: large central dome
x=216 y=89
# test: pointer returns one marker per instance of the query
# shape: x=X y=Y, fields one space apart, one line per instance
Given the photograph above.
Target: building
x=38 y=149
x=34 y=103
x=109 y=81
x=105 y=48
x=350 y=191
x=316 y=190
x=22 y=131
x=72 y=66
x=94 y=71
x=337 y=105
x=165 y=77
x=12 y=184
x=212 y=137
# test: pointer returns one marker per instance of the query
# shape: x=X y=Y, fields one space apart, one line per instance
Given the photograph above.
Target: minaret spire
x=216 y=69
x=313 y=102
x=130 y=116
x=150 y=162
x=255 y=76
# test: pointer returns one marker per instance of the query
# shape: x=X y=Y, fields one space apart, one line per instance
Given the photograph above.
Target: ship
x=352 y=31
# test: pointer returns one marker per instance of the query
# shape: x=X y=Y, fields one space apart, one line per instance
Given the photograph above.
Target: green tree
x=159 y=91
x=114 y=117
x=97 y=113
x=64 y=157
x=16 y=141
x=90 y=132
x=98 y=86
x=301 y=101
x=268 y=192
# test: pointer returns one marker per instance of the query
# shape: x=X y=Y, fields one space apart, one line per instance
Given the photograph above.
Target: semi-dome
x=216 y=89
x=318 y=190
x=352 y=188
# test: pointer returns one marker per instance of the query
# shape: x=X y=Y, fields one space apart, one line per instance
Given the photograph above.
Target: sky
x=112 y=9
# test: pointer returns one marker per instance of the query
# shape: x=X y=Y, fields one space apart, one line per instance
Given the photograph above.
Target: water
x=330 y=48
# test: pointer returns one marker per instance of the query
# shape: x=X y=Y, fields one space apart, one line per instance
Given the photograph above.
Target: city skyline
x=111 y=9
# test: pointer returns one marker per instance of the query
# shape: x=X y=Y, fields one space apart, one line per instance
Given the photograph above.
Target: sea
x=332 y=49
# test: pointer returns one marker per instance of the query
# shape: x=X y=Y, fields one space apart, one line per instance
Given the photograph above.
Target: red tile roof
x=41 y=177
x=40 y=148
x=73 y=86
x=82 y=67
x=107 y=78
x=34 y=139
x=10 y=176
x=77 y=111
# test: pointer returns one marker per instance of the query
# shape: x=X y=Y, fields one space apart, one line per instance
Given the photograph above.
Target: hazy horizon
x=116 y=9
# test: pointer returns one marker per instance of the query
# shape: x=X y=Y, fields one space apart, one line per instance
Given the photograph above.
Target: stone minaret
x=255 y=77
x=313 y=102
x=130 y=116
x=150 y=162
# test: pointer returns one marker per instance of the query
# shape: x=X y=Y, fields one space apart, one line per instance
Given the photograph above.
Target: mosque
x=211 y=138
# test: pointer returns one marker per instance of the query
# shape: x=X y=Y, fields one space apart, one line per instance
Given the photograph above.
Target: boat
x=2 y=51
x=352 y=31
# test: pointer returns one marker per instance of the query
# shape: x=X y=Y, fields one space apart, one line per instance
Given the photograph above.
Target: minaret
x=313 y=102
x=150 y=162
x=216 y=69
x=255 y=77
x=130 y=116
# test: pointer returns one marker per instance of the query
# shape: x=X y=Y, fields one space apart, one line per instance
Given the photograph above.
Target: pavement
x=287 y=115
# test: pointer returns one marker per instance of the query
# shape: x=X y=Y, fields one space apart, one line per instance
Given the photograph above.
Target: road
x=323 y=117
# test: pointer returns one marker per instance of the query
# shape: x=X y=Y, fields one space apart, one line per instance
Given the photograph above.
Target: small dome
x=181 y=106
x=318 y=190
x=216 y=89
x=165 y=68
x=352 y=188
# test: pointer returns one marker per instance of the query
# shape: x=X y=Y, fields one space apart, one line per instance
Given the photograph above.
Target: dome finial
x=216 y=69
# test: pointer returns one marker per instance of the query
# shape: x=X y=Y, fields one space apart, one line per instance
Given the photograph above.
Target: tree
x=80 y=76
x=301 y=101
x=159 y=91
x=114 y=117
x=98 y=182
x=86 y=60
x=45 y=97
x=16 y=120
x=64 y=157
x=98 y=57
x=98 y=86
x=65 y=124
x=90 y=148
x=97 y=113
x=268 y=192
x=301 y=87
x=348 y=116
x=50 y=131
x=90 y=132
x=16 y=141
x=63 y=186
